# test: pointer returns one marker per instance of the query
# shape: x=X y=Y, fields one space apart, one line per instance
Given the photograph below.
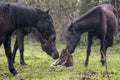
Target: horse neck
x=90 y=20
x=83 y=26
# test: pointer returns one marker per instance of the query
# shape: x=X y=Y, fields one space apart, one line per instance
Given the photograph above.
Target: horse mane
x=21 y=15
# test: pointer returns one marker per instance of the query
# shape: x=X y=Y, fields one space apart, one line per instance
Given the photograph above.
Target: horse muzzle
x=70 y=50
x=55 y=55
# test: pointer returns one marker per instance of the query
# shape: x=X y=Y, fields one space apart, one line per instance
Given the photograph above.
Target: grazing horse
x=100 y=22
x=13 y=17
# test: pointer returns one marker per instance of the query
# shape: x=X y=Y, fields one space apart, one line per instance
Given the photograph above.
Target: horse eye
x=53 y=39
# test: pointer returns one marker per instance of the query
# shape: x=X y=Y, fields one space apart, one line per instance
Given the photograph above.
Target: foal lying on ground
x=65 y=60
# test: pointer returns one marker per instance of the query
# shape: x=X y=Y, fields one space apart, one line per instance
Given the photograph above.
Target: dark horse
x=19 y=42
x=13 y=17
x=101 y=22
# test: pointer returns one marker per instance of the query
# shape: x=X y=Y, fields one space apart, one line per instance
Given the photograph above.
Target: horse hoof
x=13 y=71
x=86 y=64
x=23 y=63
x=103 y=63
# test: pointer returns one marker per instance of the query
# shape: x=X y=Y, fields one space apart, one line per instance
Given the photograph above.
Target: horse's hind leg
x=21 y=48
x=15 y=50
x=103 y=50
x=90 y=37
x=7 y=47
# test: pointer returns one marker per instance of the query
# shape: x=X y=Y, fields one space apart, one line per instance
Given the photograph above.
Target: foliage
x=64 y=12
x=39 y=63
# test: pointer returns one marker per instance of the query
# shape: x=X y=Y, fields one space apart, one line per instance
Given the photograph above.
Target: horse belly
x=5 y=25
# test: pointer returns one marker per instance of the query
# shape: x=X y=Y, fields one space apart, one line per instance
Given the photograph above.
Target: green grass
x=39 y=63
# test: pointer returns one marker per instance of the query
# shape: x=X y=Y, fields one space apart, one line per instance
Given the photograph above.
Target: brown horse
x=101 y=22
x=13 y=17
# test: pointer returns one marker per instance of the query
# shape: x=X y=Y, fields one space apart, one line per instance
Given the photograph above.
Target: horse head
x=72 y=38
x=47 y=34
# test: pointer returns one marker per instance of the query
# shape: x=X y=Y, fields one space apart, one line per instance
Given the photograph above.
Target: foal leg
x=15 y=50
x=7 y=47
x=90 y=37
x=21 y=48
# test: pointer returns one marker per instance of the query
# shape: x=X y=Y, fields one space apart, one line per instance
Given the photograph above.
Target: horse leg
x=103 y=50
x=21 y=48
x=7 y=47
x=90 y=37
x=15 y=50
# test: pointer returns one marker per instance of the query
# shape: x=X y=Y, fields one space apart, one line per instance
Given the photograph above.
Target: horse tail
x=115 y=12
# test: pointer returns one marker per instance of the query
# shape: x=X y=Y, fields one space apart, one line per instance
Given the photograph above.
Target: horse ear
x=46 y=13
x=71 y=23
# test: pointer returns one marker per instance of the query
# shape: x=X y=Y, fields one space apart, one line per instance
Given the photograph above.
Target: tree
x=64 y=12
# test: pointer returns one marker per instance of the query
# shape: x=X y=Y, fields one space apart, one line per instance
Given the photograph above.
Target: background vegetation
x=64 y=12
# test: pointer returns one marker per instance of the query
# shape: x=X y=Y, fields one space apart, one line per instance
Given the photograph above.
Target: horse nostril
x=71 y=50
x=55 y=55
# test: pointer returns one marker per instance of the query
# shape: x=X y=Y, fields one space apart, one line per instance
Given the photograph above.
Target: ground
x=39 y=62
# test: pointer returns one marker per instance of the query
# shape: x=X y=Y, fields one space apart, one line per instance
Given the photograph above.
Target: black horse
x=101 y=22
x=19 y=42
x=13 y=17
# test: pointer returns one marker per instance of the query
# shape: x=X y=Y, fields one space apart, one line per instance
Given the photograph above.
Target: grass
x=39 y=63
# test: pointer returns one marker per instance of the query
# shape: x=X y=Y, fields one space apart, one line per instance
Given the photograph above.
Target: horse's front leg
x=21 y=48
x=90 y=37
x=7 y=47
x=103 y=50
